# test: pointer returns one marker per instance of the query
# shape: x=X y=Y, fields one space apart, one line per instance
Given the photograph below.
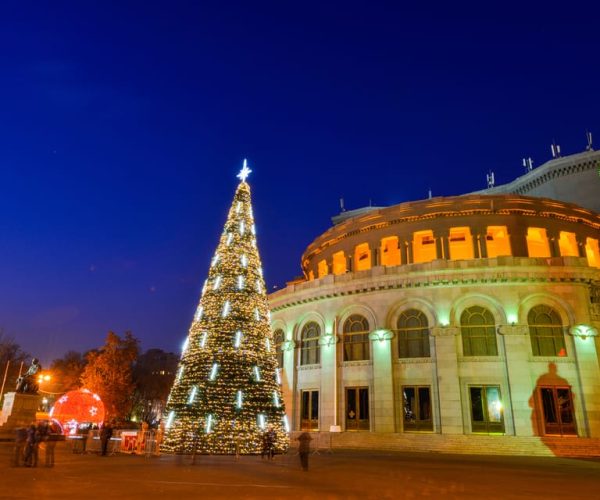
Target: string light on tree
x=230 y=389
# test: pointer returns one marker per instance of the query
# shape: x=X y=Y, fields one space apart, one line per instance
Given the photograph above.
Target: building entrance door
x=357 y=409
x=557 y=410
x=309 y=411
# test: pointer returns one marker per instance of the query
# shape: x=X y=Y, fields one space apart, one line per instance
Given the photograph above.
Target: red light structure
x=78 y=407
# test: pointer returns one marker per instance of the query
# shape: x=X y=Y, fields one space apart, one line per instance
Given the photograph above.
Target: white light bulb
x=217 y=282
x=215 y=260
x=253 y=229
x=240 y=282
x=203 y=341
x=229 y=238
x=254 y=243
x=244 y=260
x=261 y=420
x=239 y=399
x=257 y=373
x=268 y=344
x=242 y=228
x=258 y=286
x=179 y=373
x=185 y=344
x=204 y=286
x=199 y=313
x=238 y=339
x=209 y=424
x=213 y=371
x=170 y=419
x=226 y=308
x=256 y=314
x=276 y=399
x=238 y=207
x=278 y=376
x=260 y=271
x=192 y=395
x=286 y=424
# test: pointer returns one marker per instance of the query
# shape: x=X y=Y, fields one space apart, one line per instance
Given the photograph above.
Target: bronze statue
x=27 y=383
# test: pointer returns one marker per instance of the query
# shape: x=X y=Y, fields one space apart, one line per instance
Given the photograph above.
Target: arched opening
x=356 y=338
x=537 y=242
x=497 y=241
x=390 y=253
x=339 y=263
x=546 y=332
x=413 y=334
x=362 y=257
x=478 y=331
x=592 y=252
x=460 y=242
x=423 y=246
x=322 y=268
x=310 y=353
x=567 y=242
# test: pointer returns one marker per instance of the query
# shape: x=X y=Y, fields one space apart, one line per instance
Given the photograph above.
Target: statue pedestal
x=18 y=410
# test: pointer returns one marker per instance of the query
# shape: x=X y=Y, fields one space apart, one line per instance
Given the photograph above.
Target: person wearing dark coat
x=105 y=434
x=304 y=449
x=20 y=442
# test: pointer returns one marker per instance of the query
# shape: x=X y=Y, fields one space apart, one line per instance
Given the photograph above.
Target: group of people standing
x=28 y=441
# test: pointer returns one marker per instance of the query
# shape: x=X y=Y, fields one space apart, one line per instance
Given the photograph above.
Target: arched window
x=279 y=339
x=309 y=344
x=546 y=332
x=356 y=338
x=478 y=331
x=413 y=334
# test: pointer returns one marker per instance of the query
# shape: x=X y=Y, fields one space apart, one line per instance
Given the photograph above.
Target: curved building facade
x=451 y=317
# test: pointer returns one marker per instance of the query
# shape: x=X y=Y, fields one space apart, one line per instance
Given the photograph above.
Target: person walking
x=31 y=446
x=304 y=449
x=20 y=442
x=51 y=439
x=105 y=434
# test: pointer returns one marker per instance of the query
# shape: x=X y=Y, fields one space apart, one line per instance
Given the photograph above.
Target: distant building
x=438 y=323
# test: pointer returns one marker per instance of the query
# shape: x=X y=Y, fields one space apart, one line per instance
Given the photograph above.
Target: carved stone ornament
x=288 y=345
x=513 y=329
x=381 y=335
x=445 y=331
x=328 y=339
x=583 y=331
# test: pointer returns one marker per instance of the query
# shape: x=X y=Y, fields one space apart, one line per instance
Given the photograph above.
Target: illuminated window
x=322 y=268
x=309 y=344
x=279 y=339
x=311 y=275
x=461 y=243
x=356 y=338
x=362 y=257
x=537 y=242
x=423 y=246
x=497 y=241
x=390 y=253
x=309 y=410
x=339 y=263
x=567 y=243
x=413 y=335
x=593 y=252
x=546 y=332
x=487 y=413
x=478 y=331
x=416 y=402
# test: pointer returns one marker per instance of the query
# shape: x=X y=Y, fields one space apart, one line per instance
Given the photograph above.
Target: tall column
x=553 y=243
x=383 y=381
x=479 y=242
x=402 y=247
x=516 y=352
x=589 y=378
x=374 y=256
x=581 y=241
x=442 y=245
x=518 y=241
x=410 y=252
x=349 y=263
x=328 y=394
x=288 y=381
x=447 y=371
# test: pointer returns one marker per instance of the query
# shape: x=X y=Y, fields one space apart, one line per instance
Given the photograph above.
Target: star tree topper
x=245 y=172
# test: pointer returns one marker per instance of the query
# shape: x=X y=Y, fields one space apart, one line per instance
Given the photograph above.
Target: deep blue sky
x=122 y=128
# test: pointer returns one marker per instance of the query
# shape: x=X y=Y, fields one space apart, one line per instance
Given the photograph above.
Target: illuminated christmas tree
x=227 y=391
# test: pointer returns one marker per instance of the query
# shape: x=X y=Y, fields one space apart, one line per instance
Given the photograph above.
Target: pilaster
x=383 y=388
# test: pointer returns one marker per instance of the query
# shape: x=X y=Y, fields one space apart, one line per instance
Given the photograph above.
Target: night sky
x=122 y=128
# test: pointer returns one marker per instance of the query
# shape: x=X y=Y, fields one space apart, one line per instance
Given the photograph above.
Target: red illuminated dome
x=76 y=408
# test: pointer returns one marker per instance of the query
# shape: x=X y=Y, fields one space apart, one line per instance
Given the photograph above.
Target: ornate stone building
x=452 y=318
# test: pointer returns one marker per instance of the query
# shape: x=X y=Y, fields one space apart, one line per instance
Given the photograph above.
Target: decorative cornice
x=444 y=331
x=513 y=330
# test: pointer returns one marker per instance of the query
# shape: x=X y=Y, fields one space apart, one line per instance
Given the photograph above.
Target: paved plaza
x=342 y=474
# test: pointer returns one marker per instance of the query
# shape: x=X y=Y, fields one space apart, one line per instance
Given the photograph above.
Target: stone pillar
x=374 y=256
x=581 y=241
x=521 y=389
x=383 y=381
x=349 y=263
x=553 y=243
x=589 y=378
x=476 y=253
x=288 y=380
x=518 y=241
x=479 y=242
x=328 y=347
x=410 y=253
x=402 y=247
x=448 y=380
